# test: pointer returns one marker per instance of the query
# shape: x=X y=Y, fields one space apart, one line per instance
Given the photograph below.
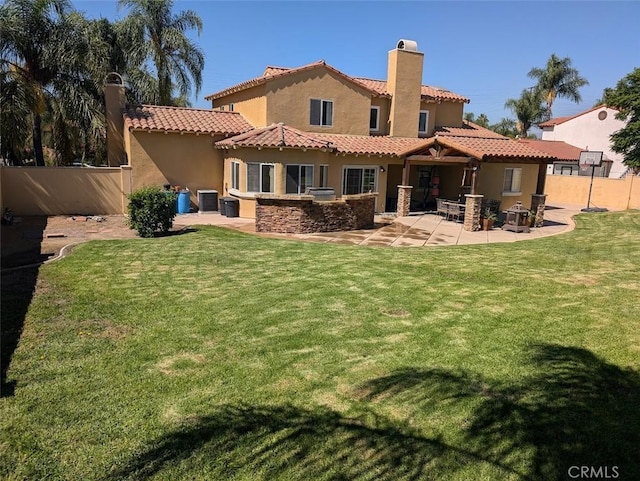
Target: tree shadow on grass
x=578 y=410
x=17 y=288
x=286 y=442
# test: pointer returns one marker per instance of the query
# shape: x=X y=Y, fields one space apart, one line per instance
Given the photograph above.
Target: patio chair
x=441 y=207
x=455 y=210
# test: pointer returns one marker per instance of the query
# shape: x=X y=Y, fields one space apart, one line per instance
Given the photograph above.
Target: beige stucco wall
x=491 y=181
x=65 y=190
x=188 y=160
x=614 y=194
x=290 y=156
x=251 y=103
x=288 y=101
x=448 y=114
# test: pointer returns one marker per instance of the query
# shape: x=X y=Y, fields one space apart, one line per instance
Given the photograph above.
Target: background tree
x=507 y=127
x=163 y=61
x=49 y=57
x=482 y=120
x=558 y=79
x=528 y=109
x=625 y=97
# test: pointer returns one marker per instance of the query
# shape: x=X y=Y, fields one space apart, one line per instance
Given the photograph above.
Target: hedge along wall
x=65 y=190
x=300 y=214
x=614 y=194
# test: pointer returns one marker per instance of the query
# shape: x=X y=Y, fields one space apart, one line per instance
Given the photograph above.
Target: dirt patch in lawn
x=35 y=239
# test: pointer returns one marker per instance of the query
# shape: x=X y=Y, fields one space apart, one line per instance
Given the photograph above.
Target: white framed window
x=374 y=118
x=230 y=107
x=423 y=122
x=260 y=177
x=512 y=180
x=321 y=112
x=299 y=177
x=235 y=175
x=359 y=179
x=221 y=108
x=324 y=176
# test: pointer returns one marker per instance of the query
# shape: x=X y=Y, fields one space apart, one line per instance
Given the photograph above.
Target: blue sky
x=479 y=49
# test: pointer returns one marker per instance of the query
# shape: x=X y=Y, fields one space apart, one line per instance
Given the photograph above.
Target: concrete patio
x=411 y=231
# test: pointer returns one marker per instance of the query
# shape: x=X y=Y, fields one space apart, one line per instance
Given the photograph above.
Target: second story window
x=321 y=113
x=374 y=119
x=423 y=122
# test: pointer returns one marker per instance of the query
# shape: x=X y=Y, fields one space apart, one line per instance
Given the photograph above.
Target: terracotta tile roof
x=176 y=119
x=372 y=145
x=272 y=73
x=561 y=120
x=427 y=92
x=376 y=87
x=280 y=135
x=275 y=136
x=483 y=148
x=560 y=150
x=468 y=129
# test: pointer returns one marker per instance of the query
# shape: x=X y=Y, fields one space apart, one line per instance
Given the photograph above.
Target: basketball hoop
x=584 y=166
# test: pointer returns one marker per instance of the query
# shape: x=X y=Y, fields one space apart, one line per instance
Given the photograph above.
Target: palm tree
x=164 y=60
x=482 y=120
x=528 y=109
x=48 y=56
x=558 y=79
x=507 y=127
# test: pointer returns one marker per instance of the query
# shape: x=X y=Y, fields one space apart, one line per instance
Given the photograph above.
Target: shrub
x=151 y=209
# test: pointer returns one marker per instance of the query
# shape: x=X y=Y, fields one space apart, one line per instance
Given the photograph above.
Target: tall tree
x=506 y=127
x=528 y=109
x=482 y=120
x=558 y=79
x=47 y=54
x=165 y=60
x=625 y=97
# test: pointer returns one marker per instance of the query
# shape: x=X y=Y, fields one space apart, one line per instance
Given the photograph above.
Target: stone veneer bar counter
x=301 y=214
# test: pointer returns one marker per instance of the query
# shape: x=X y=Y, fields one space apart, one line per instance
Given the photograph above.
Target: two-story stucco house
x=589 y=130
x=314 y=126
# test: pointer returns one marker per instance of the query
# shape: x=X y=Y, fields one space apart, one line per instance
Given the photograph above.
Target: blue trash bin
x=183 y=202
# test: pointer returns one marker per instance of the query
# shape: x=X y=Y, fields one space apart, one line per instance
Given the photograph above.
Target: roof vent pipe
x=410 y=45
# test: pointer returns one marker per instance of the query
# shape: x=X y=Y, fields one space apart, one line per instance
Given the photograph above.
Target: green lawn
x=220 y=355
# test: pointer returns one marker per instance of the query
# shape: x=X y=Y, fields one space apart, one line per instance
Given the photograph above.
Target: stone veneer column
x=538 y=203
x=404 y=200
x=472 y=212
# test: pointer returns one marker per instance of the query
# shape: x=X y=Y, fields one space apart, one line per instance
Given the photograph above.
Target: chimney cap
x=114 y=78
x=410 y=45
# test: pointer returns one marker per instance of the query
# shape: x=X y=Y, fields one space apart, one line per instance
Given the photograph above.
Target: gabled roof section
x=468 y=129
x=283 y=136
x=272 y=73
x=372 y=145
x=156 y=118
x=558 y=149
x=427 y=92
x=482 y=144
x=377 y=88
x=561 y=120
x=275 y=136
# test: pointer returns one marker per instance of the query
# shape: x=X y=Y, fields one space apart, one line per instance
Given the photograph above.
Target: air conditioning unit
x=207 y=200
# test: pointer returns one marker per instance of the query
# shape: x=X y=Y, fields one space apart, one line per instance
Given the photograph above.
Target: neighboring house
x=589 y=130
x=567 y=156
x=315 y=126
